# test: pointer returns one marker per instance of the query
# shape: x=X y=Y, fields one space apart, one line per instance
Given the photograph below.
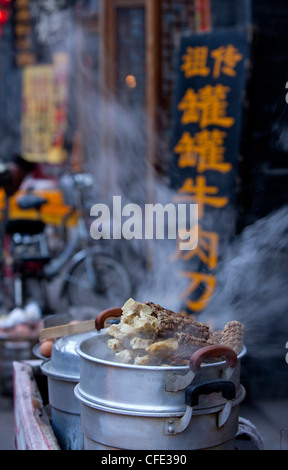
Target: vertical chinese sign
x=207 y=127
x=44 y=110
x=25 y=53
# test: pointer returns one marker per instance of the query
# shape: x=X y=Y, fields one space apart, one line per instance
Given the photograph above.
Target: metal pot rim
x=197 y=410
x=78 y=349
x=49 y=370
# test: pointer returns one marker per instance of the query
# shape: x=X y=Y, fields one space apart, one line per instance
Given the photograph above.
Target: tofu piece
x=113 y=329
x=125 y=331
x=131 y=309
x=140 y=343
x=143 y=360
x=125 y=356
x=163 y=349
x=146 y=324
x=115 y=344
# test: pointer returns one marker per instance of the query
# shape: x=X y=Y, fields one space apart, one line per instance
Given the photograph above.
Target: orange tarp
x=51 y=213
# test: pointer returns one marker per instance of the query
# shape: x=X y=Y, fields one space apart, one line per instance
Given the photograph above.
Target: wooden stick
x=69 y=329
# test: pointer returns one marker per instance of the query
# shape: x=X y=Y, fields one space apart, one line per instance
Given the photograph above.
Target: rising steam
x=252 y=277
x=252 y=285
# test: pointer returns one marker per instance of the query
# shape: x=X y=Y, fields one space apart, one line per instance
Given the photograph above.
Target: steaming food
x=149 y=334
x=232 y=336
x=163 y=349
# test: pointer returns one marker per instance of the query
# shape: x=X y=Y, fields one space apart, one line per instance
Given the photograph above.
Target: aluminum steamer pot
x=63 y=373
x=125 y=406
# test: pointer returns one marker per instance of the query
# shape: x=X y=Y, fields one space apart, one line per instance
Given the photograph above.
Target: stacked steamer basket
x=150 y=401
x=63 y=373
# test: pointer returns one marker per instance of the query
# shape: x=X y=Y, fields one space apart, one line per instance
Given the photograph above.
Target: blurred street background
x=155 y=101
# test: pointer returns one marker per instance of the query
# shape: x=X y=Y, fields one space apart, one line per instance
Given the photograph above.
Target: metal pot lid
x=65 y=361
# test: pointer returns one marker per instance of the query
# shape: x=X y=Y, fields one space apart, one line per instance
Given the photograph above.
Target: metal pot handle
x=175 y=382
x=103 y=316
x=193 y=392
x=214 y=351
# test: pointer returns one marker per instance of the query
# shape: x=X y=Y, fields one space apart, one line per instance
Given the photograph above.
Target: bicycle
x=91 y=277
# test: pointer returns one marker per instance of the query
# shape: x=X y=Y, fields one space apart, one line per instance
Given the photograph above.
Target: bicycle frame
x=79 y=248
x=80 y=255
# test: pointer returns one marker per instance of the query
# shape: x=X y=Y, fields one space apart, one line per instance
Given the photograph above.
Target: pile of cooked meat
x=149 y=334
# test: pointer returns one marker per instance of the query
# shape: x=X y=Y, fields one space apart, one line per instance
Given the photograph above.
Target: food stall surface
x=269 y=416
x=7 y=422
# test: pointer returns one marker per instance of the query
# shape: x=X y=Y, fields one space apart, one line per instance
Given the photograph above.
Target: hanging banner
x=44 y=111
x=207 y=126
x=25 y=53
x=202 y=15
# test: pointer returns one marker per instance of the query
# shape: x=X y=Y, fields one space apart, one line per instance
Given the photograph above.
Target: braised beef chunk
x=149 y=334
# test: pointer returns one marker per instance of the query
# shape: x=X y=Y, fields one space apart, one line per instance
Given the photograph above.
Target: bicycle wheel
x=111 y=286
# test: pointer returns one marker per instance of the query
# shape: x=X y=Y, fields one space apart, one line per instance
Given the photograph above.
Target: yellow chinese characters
x=205 y=151
x=206 y=250
x=208 y=242
x=195 y=62
x=201 y=194
x=205 y=111
x=196 y=280
x=225 y=60
x=206 y=107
